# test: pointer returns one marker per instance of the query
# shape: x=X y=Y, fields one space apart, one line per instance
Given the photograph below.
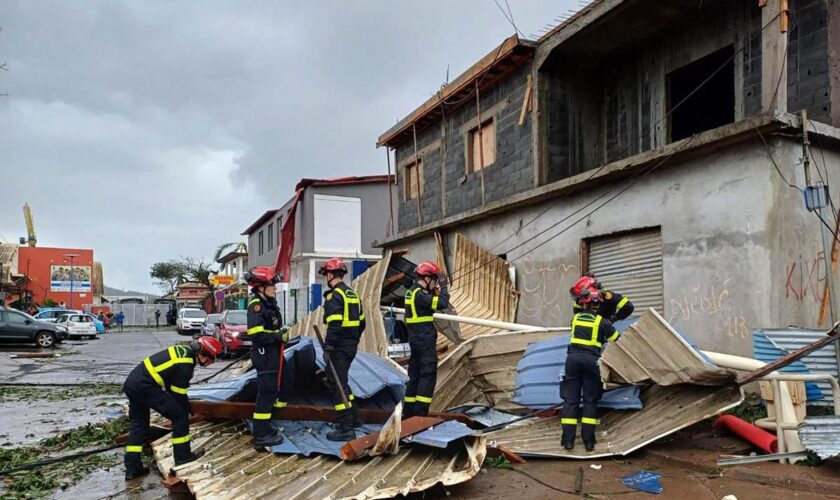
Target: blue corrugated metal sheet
x=766 y=350
x=441 y=435
x=819 y=361
x=539 y=372
x=484 y=415
x=307 y=438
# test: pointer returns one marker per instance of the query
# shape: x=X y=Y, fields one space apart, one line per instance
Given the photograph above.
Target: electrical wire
x=455 y=272
x=569 y=492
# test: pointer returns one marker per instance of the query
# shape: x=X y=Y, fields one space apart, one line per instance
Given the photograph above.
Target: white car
x=77 y=325
x=190 y=320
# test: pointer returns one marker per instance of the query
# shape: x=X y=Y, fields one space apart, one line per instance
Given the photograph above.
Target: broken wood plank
x=410 y=426
x=831 y=336
x=501 y=451
x=526 y=102
x=228 y=410
x=175 y=485
x=27 y=355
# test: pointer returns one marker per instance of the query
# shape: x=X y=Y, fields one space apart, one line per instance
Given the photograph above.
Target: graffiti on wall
x=545 y=290
x=805 y=278
x=709 y=303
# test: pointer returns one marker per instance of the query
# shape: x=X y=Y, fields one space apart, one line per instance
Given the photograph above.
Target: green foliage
x=751 y=409
x=500 y=462
x=33 y=393
x=168 y=274
x=48 y=302
x=88 y=435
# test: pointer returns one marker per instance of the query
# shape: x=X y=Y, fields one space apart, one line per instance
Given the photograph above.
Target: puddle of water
x=110 y=483
x=28 y=422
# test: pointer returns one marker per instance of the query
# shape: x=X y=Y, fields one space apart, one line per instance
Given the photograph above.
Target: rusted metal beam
x=832 y=335
x=501 y=451
x=227 y=410
x=410 y=426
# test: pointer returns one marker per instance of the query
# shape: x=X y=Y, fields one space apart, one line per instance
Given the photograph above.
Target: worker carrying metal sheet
x=160 y=383
x=345 y=322
x=614 y=306
x=582 y=379
x=427 y=295
x=267 y=336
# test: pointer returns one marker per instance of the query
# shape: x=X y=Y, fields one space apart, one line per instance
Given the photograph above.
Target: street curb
x=778 y=478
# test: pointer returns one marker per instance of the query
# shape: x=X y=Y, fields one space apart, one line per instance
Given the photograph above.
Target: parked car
x=232 y=332
x=50 y=314
x=78 y=325
x=208 y=328
x=189 y=320
x=19 y=327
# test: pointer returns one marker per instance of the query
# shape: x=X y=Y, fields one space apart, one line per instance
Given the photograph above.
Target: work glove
x=285 y=334
x=443 y=281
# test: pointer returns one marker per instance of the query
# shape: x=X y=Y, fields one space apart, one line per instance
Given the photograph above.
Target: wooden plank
x=410 y=426
x=831 y=336
x=826 y=294
x=501 y=451
x=526 y=102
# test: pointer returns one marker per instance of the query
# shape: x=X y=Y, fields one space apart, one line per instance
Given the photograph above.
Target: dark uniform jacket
x=264 y=321
x=343 y=312
x=590 y=332
x=170 y=370
x=420 y=305
x=615 y=306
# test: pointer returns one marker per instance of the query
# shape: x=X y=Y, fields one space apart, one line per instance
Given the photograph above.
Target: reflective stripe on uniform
x=178 y=390
x=589 y=421
x=262 y=416
x=260 y=329
x=621 y=303
x=334 y=317
x=253 y=301
x=435 y=301
x=174 y=359
x=280 y=404
x=568 y=421
x=613 y=337
x=340 y=407
x=410 y=399
x=424 y=399
x=133 y=449
x=181 y=440
x=414 y=318
x=351 y=397
x=583 y=320
x=349 y=299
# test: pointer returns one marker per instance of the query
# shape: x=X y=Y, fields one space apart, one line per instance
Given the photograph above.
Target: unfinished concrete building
x=653 y=143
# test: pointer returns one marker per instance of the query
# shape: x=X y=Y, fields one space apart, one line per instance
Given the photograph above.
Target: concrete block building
x=657 y=144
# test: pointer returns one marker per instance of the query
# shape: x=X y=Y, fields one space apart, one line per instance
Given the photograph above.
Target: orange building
x=54 y=272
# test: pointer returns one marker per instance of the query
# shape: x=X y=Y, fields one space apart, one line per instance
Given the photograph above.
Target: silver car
x=208 y=328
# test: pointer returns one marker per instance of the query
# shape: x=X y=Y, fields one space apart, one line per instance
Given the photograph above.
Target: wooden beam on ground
x=227 y=410
x=410 y=426
x=831 y=336
x=501 y=451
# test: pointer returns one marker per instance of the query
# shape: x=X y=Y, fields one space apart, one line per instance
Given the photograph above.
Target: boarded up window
x=483 y=148
x=630 y=264
x=413 y=180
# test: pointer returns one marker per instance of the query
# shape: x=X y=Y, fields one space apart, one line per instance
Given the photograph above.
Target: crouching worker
x=582 y=378
x=160 y=383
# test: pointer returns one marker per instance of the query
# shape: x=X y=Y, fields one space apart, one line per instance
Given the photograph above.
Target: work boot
x=341 y=435
x=135 y=470
x=357 y=419
x=273 y=438
x=568 y=445
x=589 y=446
x=185 y=459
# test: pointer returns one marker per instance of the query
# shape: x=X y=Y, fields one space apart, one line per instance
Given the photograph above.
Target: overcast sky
x=147 y=130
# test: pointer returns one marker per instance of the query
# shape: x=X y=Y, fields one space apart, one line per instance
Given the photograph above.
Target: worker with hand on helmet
x=427 y=295
x=614 y=306
x=582 y=378
x=265 y=331
x=345 y=322
x=160 y=383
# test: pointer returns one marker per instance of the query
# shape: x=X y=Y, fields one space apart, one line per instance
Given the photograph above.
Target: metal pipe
x=811 y=377
x=501 y=325
x=780 y=433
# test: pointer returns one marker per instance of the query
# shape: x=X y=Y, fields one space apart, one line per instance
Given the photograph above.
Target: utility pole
x=816 y=200
x=72 y=256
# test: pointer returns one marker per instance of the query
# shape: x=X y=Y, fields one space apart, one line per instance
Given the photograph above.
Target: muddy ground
x=61 y=405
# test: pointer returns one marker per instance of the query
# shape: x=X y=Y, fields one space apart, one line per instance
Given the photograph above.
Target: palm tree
x=225 y=248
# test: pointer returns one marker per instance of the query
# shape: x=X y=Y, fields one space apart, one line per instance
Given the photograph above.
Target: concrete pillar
x=773 y=60
x=833 y=23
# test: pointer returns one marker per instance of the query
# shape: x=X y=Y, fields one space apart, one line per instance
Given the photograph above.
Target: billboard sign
x=61 y=278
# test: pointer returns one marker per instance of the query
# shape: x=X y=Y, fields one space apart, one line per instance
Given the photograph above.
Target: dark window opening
x=708 y=106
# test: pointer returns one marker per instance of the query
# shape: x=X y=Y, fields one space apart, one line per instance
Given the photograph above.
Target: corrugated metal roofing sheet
x=766 y=350
x=820 y=361
x=540 y=371
x=441 y=435
x=303 y=437
x=821 y=435
x=484 y=415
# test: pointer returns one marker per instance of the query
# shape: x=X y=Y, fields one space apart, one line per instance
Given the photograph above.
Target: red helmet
x=590 y=295
x=262 y=275
x=209 y=346
x=335 y=266
x=579 y=289
x=427 y=268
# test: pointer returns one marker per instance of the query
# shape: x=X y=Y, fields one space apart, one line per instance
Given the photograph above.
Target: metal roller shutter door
x=630 y=264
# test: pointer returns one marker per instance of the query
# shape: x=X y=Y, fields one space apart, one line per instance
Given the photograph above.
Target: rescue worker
x=590 y=332
x=265 y=331
x=160 y=383
x=345 y=322
x=427 y=295
x=614 y=306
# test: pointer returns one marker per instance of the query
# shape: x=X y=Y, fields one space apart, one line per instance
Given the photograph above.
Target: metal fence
x=138 y=314
x=294 y=304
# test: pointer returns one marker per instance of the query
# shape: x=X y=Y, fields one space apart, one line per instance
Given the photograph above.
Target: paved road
x=107 y=359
